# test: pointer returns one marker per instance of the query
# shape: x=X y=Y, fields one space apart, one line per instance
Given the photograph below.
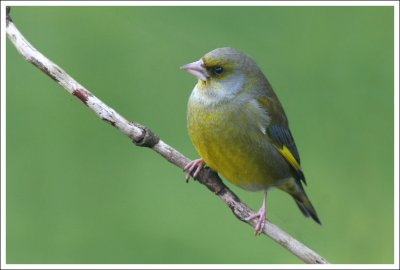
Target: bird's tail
x=306 y=207
x=299 y=195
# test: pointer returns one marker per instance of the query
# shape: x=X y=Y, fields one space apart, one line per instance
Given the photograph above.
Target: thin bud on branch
x=144 y=137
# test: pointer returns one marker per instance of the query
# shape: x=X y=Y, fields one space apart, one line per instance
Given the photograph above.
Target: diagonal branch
x=144 y=137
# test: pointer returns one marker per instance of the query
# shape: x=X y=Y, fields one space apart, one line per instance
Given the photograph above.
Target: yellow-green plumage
x=229 y=141
x=240 y=129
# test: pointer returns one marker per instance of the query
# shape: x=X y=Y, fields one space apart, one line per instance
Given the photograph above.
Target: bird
x=239 y=128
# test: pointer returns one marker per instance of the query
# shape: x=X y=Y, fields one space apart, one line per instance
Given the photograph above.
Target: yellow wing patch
x=285 y=152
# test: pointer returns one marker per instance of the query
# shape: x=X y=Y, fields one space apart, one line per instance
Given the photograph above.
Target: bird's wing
x=279 y=132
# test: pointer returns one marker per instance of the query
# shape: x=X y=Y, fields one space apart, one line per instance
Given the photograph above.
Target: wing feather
x=279 y=132
x=284 y=143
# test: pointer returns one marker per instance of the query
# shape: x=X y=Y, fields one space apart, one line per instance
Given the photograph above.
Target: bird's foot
x=260 y=215
x=193 y=168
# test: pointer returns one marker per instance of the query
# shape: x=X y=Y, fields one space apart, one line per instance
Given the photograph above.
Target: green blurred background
x=78 y=191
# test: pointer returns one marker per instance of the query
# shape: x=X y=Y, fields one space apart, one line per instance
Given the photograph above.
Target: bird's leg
x=193 y=168
x=260 y=215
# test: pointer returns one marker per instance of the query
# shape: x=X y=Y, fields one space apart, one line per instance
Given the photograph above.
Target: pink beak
x=197 y=69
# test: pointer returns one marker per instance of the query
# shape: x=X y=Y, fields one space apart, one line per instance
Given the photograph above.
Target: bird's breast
x=228 y=138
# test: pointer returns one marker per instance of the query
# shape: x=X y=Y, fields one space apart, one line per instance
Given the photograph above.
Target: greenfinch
x=239 y=128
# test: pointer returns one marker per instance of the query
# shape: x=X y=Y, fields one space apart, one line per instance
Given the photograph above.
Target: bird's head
x=224 y=72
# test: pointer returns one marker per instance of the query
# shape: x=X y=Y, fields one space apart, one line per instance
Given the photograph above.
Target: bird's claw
x=260 y=215
x=193 y=168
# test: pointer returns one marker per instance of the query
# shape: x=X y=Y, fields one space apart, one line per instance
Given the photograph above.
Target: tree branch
x=144 y=137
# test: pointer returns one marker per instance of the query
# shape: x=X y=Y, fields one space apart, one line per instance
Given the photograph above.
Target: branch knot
x=147 y=139
x=212 y=181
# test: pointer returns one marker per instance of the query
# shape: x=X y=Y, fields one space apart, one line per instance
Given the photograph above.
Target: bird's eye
x=218 y=70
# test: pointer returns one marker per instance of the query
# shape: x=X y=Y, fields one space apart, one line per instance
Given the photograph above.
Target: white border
x=3 y=136
x=395 y=4
x=200 y=266
x=200 y=3
x=396 y=135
